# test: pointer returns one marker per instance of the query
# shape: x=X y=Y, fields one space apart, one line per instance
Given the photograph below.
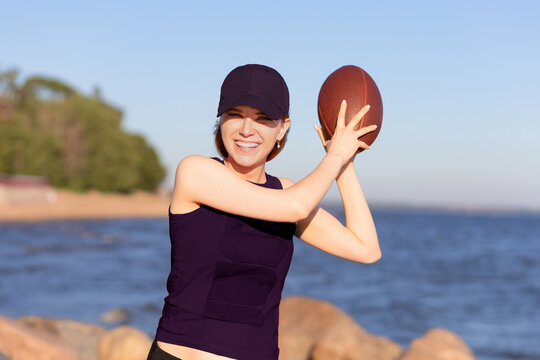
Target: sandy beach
x=91 y=205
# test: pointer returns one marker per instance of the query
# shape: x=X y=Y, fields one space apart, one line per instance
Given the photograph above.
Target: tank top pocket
x=238 y=291
x=244 y=243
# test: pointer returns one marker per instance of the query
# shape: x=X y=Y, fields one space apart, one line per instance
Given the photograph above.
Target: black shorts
x=157 y=353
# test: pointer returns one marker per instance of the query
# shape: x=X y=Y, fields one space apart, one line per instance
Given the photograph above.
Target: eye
x=266 y=118
x=230 y=114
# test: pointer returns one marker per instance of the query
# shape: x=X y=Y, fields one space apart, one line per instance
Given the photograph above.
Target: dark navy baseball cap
x=255 y=85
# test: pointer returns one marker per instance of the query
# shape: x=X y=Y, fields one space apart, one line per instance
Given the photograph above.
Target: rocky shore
x=90 y=205
x=309 y=329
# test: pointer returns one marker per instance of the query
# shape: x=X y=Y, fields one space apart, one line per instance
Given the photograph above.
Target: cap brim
x=267 y=107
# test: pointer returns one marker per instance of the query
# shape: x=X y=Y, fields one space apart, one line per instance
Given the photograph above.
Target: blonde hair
x=223 y=152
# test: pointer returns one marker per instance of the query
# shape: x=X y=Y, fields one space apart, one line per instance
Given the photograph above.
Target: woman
x=231 y=224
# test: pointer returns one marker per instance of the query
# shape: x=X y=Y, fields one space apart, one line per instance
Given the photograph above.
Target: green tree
x=77 y=142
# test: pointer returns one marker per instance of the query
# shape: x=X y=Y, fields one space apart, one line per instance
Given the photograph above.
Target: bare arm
x=357 y=241
x=357 y=214
x=205 y=181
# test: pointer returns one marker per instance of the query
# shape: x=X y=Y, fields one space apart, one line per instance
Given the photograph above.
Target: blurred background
x=459 y=81
x=110 y=96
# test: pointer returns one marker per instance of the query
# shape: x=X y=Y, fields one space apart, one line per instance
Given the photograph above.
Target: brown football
x=355 y=85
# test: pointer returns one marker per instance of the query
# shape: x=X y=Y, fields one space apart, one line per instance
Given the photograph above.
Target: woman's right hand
x=344 y=142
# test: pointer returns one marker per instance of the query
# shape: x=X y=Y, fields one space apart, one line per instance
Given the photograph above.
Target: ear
x=284 y=127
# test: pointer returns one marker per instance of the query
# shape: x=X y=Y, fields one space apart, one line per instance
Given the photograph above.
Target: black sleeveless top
x=227 y=274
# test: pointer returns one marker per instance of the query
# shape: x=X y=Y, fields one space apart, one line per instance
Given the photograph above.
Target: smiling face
x=249 y=135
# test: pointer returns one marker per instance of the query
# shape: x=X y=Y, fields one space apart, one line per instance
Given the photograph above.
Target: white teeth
x=246 y=144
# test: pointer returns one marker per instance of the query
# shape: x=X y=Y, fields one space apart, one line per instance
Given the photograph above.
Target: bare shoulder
x=190 y=165
x=180 y=202
x=194 y=160
x=193 y=164
x=286 y=183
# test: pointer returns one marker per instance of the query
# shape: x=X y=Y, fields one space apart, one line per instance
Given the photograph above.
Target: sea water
x=476 y=274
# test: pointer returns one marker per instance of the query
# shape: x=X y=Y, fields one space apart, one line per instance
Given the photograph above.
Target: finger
x=359 y=115
x=363 y=145
x=366 y=129
x=321 y=135
x=340 y=123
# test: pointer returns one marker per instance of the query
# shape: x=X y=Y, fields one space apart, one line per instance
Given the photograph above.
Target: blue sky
x=460 y=82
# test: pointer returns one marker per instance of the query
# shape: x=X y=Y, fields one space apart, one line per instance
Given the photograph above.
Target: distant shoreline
x=457 y=209
x=97 y=205
x=90 y=205
x=463 y=209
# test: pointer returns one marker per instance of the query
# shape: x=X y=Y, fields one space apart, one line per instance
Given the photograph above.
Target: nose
x=247 y=127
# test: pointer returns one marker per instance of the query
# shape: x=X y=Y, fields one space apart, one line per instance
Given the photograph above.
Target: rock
x=124 y=343
x=151 y=307
x=348 y=341
x=81 y=336
x=20 y=342
x=115 y=315
x=438 y=344
x=317 y=330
